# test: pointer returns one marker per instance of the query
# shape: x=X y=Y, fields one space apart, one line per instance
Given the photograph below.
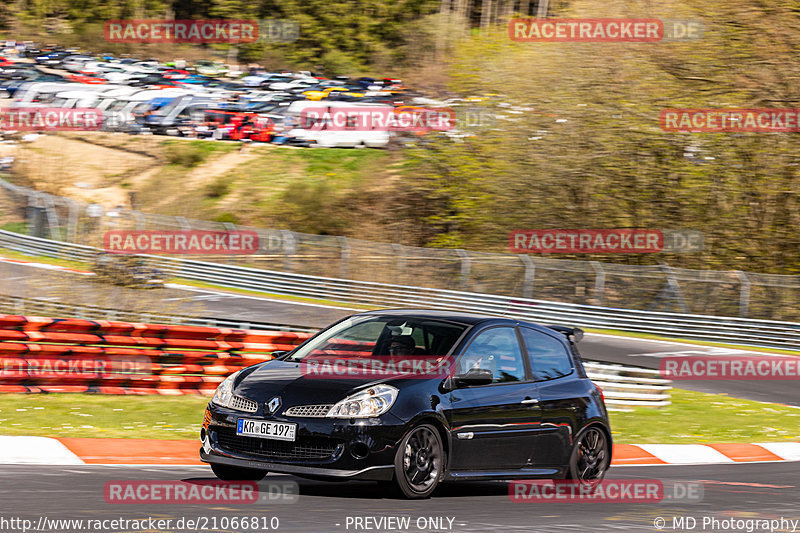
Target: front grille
x=302 y=448
x=317 y=411
x=243 y=404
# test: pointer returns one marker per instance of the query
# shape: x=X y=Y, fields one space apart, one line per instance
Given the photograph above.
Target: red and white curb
x=77 y=451
x=36 y=451
x=704 y=454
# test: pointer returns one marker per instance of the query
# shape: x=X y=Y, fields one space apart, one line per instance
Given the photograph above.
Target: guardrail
x=76 y=355
x=627 y=386
x=763 y=333
x=42 y=307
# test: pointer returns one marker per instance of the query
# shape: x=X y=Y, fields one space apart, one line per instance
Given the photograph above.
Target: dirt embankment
x=104 y=168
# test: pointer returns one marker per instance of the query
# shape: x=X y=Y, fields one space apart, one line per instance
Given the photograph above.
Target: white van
x=323 y=133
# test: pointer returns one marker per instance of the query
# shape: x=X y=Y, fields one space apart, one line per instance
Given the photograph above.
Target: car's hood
x=285 y=379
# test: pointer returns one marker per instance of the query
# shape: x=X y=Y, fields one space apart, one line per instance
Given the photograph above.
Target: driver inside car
x=402 y=345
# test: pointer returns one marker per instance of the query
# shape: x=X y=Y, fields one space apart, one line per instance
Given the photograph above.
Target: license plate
x=265 y=429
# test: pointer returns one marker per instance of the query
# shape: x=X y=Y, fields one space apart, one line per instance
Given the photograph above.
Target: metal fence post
x=530 y=274
x=34 y=215
x=344 y=262
x=53 y=221
x=744 y=294
x=141 y=221
x=399 y=251
x=674 y=288
x=599 y=282
x=72 y=226
x=289 y=248
x=466 y=267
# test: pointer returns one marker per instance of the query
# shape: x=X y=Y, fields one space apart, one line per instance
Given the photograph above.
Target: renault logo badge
x=273 y=404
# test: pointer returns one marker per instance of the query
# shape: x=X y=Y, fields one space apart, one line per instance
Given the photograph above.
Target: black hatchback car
x=411 y=399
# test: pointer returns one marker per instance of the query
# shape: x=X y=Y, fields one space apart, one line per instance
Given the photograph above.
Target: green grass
x=692 y=418
x=16 y=227
x=696 y=417
x=11 y=254
x=302 y=189
x=192 y=153
x=89 y=415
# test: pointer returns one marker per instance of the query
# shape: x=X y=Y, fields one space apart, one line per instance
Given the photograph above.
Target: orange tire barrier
x=41 y=354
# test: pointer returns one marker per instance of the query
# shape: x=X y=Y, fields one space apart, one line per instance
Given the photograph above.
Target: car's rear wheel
x=237 y=473
x=418 y=465
x=590 y=457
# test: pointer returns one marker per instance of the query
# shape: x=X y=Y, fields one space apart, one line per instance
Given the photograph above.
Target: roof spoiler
x=575 y=333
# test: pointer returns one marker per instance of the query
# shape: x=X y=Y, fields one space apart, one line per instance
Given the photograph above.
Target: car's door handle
x=530 y=400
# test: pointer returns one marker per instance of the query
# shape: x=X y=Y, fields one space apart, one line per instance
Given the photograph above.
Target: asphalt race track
x=738 y=491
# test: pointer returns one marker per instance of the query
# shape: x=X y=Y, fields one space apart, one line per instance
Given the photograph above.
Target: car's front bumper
x=370 y=473
x=324 y=447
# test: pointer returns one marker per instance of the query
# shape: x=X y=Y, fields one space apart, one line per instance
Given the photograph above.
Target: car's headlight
x=224 y=392
x=367 y=403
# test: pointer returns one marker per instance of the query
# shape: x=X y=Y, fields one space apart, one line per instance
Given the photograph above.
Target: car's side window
x=495 y=349
x=549 y=358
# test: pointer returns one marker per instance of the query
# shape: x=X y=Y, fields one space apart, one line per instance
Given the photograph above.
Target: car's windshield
x=384 y=336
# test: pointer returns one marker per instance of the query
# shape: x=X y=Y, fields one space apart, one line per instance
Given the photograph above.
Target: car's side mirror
x=279 y=354
x=473 y=378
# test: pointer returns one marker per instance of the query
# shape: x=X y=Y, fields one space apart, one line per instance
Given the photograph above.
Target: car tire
x=418 y=464
x=590 y=457
x=237 y=473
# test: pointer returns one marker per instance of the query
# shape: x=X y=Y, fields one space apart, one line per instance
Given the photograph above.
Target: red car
x=83 y=78
x=237 y=125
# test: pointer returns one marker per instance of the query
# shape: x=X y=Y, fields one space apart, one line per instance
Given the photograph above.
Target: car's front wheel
x=418 y=465
x=591 y=456
x=237 y=473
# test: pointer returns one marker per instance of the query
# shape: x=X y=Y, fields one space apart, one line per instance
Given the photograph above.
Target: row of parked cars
x=204 y=100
